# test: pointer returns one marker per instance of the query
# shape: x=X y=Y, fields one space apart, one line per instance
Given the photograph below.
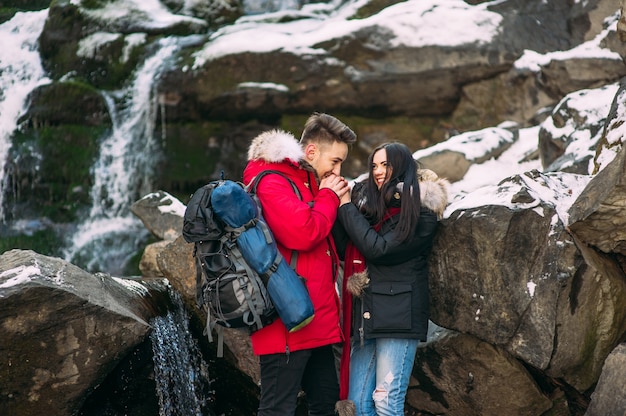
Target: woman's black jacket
x=395 y=304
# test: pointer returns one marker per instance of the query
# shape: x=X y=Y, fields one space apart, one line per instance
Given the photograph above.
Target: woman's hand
x=345 y=198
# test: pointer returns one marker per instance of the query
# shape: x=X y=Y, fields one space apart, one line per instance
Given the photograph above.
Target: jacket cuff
x=331 y=191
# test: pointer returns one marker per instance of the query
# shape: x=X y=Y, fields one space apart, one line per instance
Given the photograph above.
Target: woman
x=387 y=232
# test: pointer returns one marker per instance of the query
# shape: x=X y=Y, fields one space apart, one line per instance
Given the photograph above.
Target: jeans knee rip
x=381 y=393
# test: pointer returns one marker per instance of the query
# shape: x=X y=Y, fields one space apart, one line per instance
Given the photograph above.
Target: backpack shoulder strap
x=255 y=181
x=252 y=189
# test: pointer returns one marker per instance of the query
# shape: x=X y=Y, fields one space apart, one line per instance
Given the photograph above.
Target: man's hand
x=338 y=185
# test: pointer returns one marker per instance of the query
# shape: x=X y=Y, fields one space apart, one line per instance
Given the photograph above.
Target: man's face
x=326 y=159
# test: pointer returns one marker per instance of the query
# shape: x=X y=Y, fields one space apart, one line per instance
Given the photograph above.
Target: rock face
x=63 y=331
x=573 y=125
x=453 y=158
x=366 y=72
x=538 y=274
x=384 y=87
x=538 y=281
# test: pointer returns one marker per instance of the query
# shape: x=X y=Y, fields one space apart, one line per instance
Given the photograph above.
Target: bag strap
x=252 y=187
x=240 y=262
x=255 y=181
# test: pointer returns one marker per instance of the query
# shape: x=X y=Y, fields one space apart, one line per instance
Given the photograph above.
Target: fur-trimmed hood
x=433 y=191
x=275 y=146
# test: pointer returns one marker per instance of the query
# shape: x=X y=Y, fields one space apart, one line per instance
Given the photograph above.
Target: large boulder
x=529 y=287
x=161 y=213
x=608 y=398
x=64 y=330
x=103 y=44
x=460 y=375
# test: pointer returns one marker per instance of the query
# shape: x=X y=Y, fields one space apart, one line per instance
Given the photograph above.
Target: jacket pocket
x=391 y=306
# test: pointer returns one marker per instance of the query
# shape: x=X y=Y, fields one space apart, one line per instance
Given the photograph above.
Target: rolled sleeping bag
x=290 y=296
x=234 y=206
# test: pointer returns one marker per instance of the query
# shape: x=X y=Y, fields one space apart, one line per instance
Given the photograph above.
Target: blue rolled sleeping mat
x=236 y=208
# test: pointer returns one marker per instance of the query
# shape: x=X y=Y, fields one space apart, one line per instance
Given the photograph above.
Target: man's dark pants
x=284 y=375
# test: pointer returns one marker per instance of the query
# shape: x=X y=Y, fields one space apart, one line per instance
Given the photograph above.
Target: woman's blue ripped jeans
x=380 y=370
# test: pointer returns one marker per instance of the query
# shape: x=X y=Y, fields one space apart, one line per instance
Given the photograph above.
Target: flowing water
x=20 y=73
x=111 y=234
x=181 y=375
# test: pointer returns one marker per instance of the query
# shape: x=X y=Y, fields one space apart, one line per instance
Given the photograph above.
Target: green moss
x=193 y=155
x=186 y=58
x=63 y=61
x=59 y=3
x=7 y=13
x=81 y=86
x=67 y=103
x=59 y=180
x=58 y=42
x=45 y=242
x=54 y=153
x=70 y=151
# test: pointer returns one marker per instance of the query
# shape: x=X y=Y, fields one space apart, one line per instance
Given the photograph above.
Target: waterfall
x=20 y=73
x=181 y=375
x=123 y=173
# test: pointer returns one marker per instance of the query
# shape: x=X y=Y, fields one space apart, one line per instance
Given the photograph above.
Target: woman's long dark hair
x=403 y=168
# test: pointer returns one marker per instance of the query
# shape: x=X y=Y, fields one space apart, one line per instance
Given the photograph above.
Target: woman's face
x=380 y=171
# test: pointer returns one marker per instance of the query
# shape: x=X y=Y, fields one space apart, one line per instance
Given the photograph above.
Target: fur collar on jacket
x=275 y=146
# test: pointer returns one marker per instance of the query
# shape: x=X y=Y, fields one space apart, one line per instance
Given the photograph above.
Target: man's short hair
x=324 y=128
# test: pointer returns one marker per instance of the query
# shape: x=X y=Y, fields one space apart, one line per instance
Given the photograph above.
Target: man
x=302 y=359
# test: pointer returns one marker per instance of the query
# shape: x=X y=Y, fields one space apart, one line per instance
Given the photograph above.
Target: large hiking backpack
x=241 y=279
